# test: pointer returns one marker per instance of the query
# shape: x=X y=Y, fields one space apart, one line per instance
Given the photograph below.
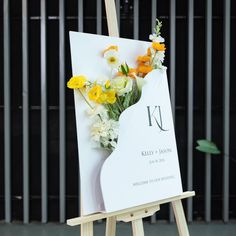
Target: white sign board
x=144 y=166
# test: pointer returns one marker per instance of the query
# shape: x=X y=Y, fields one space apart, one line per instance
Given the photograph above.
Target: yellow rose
x=77 y=82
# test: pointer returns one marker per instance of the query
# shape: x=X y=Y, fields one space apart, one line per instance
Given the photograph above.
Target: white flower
x=122 y=84
x=140 y=82
x=112 y=58
x=157 y=58
x=156 y=38
x=113 y=144
x=162 y=68
x=105 y=133
x=160 y=56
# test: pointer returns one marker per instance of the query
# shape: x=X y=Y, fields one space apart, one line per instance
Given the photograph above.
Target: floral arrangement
x=108 y=96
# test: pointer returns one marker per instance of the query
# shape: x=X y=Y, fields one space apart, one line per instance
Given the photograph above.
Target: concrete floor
x=123 y=229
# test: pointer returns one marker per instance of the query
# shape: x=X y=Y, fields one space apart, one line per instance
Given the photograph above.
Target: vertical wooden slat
x=172 y=70
x=25 y=110
x=118 y=12
x=44 y=187
x=62 y=110
x=99 y=16
x=172 y=53
x=81 y=29
x=208 y=107
x=226 y=124
x=154 y=14
x=7 y=110
x=190 y=106
x=136 y=19
x=81 y=15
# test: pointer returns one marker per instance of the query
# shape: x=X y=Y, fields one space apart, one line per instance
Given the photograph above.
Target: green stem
x=153 y=58
x=118 y=101
x=100 y=117
x=110 y=111
x=85 y=99
x=111 y=73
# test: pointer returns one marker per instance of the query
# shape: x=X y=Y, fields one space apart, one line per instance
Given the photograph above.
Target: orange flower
x=143 y=58
x=119 y=73
x=144 y=69
x=149 y=52
x=132 y=73
x=158 y=46
x=112 y=47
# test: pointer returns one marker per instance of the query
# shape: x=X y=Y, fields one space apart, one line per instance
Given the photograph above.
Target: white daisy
x=112 y=58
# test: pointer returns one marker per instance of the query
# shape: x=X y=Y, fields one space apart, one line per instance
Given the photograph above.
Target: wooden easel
x=134 y=214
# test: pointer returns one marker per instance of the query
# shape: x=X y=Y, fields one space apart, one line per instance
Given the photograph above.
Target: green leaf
x=127 y=68
x=157 y=29
x=112 y=111
x=207 y=147
x=123 y=70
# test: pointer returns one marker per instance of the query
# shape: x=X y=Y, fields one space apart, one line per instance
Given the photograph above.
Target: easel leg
x=86 y=229
x=137 y=227
x=180 y=218
x=111 y=226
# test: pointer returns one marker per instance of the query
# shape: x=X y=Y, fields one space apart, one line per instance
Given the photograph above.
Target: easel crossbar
x=99 y=216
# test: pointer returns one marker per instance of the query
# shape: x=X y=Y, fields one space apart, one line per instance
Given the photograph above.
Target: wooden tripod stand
x=134 y=214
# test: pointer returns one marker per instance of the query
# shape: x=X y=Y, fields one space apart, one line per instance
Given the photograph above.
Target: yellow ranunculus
x=102 y=98
x=94 y=93
x=107 y=97
x=111 y=96
x=77 y=82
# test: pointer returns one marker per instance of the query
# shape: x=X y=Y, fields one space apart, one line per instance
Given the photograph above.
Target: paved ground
x=122 y=229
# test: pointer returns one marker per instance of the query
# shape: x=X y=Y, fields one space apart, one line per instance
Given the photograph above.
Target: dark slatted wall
x=39 y=179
